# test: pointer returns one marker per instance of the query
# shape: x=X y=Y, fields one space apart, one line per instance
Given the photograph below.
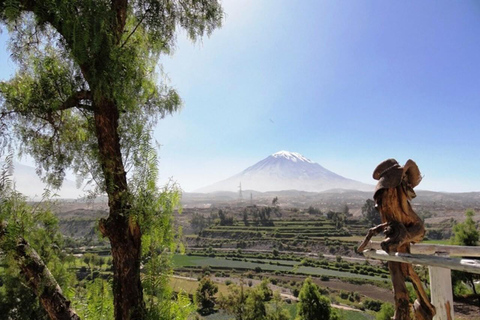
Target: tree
x=337 y=217
x=346 y=211
x=370 y=213
x=312 y=305
x=312 y=210
x=276 y=309
x=245 y=218
x=225 y=220
x=264 y=289
x=199 y=222
x=255 y=308
x=253 y=304
x=205 y=295
x=275 y=201
x=466 y=234
x=85 y=97
x=234 y=302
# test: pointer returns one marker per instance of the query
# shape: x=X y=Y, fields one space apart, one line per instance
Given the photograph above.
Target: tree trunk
x=472 y=284
x=123 y=232
x=125 y=241
x=42 y=282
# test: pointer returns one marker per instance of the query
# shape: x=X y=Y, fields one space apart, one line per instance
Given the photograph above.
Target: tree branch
x=120 y=9
x=75 y=99
x=40 y=280
x=133 y=31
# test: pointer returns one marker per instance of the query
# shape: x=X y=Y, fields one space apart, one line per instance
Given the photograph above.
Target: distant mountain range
x=286 y=170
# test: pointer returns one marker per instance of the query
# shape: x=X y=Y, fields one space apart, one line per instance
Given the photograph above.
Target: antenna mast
x=240 y=195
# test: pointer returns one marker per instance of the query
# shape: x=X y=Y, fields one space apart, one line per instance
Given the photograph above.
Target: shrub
x=373 y=305
x=386 y=312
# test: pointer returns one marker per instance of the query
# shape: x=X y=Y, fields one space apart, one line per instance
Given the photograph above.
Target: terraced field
x=259 y=265
x=284 y=229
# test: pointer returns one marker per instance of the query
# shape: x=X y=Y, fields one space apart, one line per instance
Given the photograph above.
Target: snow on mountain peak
x=292 y=156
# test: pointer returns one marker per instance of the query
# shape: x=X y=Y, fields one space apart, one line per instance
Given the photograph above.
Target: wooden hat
x=390 y=174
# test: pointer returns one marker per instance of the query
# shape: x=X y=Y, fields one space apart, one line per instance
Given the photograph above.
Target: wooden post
x=441 y=292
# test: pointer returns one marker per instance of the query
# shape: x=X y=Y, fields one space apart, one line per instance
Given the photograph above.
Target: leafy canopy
x=466 y=233
x=86 y=97
x=312 y=305
x=74 y=54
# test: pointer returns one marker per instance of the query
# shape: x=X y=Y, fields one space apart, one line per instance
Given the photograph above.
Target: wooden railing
x=440 y=259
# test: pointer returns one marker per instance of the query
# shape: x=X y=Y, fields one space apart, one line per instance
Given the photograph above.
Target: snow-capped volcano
x=286 y=170
x=293 y=156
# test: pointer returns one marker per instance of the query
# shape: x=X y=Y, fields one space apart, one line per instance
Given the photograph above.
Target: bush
x=373 y=305
x=386 y=312
x=205 y=295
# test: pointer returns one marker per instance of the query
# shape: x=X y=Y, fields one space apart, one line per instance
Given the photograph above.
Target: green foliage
x=153 y=209
x=39 y=227
x=16 y=300
x=312 y=210
x=372 y=304
x=234 y=301
x=261 y=216
x=205 y=295
x=225 y=220
x=466 y=233
x=370 y=213
x=386 y=312
x=257 y=303
x=86 y=97
x=312 y=305
x=95 y=300
x=338 y=218
x=264 y=290
x=74 y=47
x=276 y=309
x=199 y=222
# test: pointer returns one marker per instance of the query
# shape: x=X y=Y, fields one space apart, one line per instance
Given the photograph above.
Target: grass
x=190 y=286
x=353 y=315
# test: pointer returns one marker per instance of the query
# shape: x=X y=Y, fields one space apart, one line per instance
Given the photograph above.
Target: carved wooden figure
x=401 y=226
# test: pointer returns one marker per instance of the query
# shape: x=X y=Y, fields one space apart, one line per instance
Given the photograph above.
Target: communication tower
x=240 y=194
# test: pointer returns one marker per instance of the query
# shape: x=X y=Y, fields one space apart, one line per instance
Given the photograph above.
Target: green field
x=196 y=261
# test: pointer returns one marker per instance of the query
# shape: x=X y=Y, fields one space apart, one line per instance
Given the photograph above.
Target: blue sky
x=345 y=83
